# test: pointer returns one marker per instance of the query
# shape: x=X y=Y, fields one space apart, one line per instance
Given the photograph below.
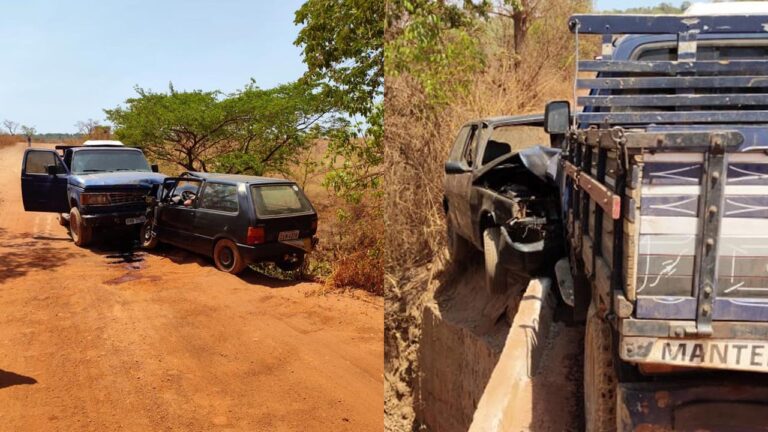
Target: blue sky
x=61 y=62
x=624 y=4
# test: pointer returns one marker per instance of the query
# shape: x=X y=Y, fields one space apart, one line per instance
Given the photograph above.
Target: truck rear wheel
x=458 y=246
x=80 y=233
x=600 y=378
x=495 y=272
x=227 y=257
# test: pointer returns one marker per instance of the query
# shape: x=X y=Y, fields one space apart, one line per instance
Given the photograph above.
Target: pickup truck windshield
x=93 y=161
x=277 y=200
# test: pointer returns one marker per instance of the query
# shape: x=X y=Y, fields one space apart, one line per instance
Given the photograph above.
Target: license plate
x=288 y=235
x=748 y=355
x=136 y=220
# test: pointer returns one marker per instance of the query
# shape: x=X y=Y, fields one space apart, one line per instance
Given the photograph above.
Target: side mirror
x=52 y=170
x=557 y=117
x=453 y=167
x=155 y=168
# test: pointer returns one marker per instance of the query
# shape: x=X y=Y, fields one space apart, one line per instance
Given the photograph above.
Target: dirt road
x=108 y=339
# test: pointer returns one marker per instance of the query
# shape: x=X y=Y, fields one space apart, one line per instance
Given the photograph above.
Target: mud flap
x=692 y=405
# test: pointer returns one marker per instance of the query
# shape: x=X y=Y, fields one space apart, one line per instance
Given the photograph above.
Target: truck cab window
x=38 y=162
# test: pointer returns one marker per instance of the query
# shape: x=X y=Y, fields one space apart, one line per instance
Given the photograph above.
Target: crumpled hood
x=119 y=178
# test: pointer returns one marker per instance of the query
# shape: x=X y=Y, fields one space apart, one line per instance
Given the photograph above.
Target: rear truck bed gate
x=666 y=184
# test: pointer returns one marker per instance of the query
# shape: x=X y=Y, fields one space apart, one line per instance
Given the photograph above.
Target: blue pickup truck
x=89 y=186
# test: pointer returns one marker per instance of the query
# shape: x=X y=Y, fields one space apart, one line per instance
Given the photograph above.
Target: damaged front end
x=531 y=236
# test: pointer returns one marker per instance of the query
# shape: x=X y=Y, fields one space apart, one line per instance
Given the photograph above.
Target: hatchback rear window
x=276 y=200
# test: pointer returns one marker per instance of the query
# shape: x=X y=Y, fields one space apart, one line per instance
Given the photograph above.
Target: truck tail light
x=255 y=235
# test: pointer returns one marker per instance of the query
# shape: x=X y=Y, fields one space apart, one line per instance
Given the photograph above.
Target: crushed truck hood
x=121 y=178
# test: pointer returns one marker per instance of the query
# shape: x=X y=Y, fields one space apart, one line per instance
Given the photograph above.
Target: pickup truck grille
x=126 y=197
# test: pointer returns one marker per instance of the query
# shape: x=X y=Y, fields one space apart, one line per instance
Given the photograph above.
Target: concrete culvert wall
x=497 y=363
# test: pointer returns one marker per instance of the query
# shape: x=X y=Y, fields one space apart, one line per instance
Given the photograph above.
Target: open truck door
x=44 y=182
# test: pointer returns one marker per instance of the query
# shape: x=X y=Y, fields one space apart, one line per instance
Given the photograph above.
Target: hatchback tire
x=81 y=234
x=227 y=257
x=495 y=272
x=146 y=238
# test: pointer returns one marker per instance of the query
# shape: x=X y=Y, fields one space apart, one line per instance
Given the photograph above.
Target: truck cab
x=98 y=185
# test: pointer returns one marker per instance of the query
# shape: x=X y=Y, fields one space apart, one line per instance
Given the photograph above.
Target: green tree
x=251 y=131
x=342 y=43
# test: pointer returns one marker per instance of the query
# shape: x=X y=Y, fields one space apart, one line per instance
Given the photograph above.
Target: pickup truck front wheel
x=80 y=233
x=495 y=272
x=600 y=379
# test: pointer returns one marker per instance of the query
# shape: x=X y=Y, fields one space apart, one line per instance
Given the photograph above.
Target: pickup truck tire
x=81 y=234
x=495 y=272
x=600 y=379
x=146 y=239
x=458 y=247
x=227 y=257
x=63 y=221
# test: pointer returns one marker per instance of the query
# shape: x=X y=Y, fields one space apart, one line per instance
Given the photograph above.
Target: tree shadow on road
x=9 y=379
x=21 y=254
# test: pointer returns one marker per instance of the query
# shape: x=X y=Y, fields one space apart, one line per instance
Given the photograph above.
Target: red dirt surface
x=110 y=339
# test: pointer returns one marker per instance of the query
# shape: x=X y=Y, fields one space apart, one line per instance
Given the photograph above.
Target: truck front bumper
x=116 y=219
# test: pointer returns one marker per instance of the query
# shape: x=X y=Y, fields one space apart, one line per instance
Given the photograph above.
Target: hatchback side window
x=38 y=162
x=220 y=197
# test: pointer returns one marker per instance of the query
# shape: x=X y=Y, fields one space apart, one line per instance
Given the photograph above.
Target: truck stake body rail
x=663 y=188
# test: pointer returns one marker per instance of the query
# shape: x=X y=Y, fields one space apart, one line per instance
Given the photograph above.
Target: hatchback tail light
x=314 y=225
x=255 y=235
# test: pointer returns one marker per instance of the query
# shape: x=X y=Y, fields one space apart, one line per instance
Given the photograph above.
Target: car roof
x=98 y=147
x=729 y=8
x=115 y=143
x=506 y=120
x=236 y=178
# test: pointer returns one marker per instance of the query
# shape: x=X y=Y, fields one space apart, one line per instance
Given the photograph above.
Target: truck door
x=458 y=185
x=44 y=189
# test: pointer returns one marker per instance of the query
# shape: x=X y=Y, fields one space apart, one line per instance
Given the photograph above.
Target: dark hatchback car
x=237 y=220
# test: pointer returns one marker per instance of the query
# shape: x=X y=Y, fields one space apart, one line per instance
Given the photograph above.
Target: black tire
x=293 y=265
x=81 y=234
x=459 y=248
x=600 y=380
x=147 y=240
x=495 y=272
x=227 y=257
x=62 y=220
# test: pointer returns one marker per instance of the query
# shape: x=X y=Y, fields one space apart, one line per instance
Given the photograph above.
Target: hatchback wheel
x=80 y=233
x=227 y=257
x=147 y=238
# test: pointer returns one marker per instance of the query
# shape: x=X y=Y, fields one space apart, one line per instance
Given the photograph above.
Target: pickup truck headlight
x=94 y=199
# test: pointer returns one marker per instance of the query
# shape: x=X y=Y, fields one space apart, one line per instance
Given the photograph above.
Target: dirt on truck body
x=663 y=175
